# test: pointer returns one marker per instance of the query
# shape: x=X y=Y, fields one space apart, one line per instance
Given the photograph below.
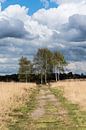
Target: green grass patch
x=21 y=116
x=50 y=108
x=51 y=120
x=78 y=117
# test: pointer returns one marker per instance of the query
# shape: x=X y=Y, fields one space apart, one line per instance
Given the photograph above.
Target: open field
x=74 y=90
x=25 y=106
x=12 y=96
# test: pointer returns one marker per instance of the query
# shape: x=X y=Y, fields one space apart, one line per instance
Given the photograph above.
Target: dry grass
x=12 y=95
x=74 y=91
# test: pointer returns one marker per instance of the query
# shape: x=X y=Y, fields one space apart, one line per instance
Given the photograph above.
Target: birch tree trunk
x=45 y=77
x=41 y=78
x=56 y=76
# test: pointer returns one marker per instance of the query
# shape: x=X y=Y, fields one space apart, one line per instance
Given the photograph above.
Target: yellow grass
x=75 y=91
x=12 y=95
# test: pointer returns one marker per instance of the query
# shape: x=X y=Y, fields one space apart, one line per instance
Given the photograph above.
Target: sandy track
x=49 y=105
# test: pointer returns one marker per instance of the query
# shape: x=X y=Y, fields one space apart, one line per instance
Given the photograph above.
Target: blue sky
x=33 y=5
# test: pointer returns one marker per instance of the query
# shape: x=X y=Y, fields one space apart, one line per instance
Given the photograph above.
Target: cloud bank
x=62 y=28
x=68 y=1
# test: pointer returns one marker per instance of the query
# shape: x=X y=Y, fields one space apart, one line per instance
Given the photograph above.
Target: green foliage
x=21 y=116
x=42 y=61
x=45 y=62
x=59 y=61
x=25 y=69
x=58 y=58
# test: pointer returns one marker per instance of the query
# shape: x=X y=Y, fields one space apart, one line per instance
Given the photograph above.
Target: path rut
x=49 y=110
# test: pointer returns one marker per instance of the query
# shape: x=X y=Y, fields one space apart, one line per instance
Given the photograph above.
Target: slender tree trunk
x=45 y=77
x=41 y=79
x=29 y=78
x=26 y=77
x=55 y=71
x=46 y=70
x=56 y=76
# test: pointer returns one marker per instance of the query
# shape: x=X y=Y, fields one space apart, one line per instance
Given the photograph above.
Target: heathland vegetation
x=25 y=106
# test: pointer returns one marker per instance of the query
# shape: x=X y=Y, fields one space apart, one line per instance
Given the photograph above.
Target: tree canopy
x=58 y=63
x=25 y=68
x=45 y=62
x=42 y=61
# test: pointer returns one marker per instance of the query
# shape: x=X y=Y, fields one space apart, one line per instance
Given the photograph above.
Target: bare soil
x=49 y=110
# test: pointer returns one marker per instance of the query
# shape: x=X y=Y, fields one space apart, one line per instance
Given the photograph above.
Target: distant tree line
x=36 y=78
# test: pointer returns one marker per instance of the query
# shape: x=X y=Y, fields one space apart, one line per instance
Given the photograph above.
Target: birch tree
x=25 y=68
x=42 y=61
x=58 y=64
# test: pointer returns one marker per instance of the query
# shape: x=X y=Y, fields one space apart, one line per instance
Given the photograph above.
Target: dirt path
x=47 y=109
x=49 y=113
x=39 y=111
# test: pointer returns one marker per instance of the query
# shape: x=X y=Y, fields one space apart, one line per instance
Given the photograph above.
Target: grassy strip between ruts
x=77 y=116
x=21 y=116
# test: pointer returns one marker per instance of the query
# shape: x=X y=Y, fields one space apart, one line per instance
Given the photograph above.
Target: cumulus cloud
x=12 y=28
x=68 y=1
x=15 y=12
x=75 y=29
x=77 y=67
x=54 y=17
x=61 y=28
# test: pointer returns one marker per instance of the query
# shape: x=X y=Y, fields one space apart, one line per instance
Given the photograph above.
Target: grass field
x=60 y=106
x=74 y=91
x=12 y=96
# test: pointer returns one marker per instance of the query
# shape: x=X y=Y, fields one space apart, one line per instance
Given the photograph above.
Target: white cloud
x=55 y=17
x=15 y=12
x=68 y=1
x=12 y=28
x=75 y=29
x=77 y=67
x=3 y=59
x=42 y=29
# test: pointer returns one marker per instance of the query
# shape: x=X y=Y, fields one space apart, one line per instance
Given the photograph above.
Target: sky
x=33 y=6
x=26 y=25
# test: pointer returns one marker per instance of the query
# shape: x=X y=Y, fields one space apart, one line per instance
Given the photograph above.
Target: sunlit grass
x=21 y=116
x=78 y=117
